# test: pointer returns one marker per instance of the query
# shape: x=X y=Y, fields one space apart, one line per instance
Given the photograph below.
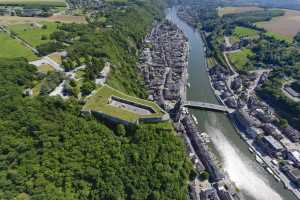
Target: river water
x=252 y=180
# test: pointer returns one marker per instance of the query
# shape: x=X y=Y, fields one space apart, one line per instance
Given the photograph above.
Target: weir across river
x=207 y=106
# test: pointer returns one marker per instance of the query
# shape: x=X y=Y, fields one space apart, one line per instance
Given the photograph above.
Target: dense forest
x=50 y=151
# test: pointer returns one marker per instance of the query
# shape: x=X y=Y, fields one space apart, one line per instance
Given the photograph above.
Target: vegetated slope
x=272 y=94
x=48 y=151
x=113 y=36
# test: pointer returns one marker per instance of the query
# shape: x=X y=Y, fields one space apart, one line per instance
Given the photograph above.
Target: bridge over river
x=207 y=106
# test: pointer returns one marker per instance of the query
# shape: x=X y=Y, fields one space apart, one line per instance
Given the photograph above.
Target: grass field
x=56 y=3
x=244 y=32
x=99 y=103
x=32 y=34
x=280 y=37
x=11 y=48
x=240 y=59
x=230 y=10
x=286 y=25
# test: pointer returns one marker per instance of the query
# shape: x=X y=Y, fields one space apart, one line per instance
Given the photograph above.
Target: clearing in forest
x=231 y=10
x=287 y=25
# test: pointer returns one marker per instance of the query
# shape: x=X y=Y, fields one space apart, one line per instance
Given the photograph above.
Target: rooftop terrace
x=110 y=102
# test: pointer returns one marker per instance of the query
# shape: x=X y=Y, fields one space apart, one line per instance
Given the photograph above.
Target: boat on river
x=277 y=178
x=269 y=170
x=251 y=150
x=195 y=119
x=259 y=160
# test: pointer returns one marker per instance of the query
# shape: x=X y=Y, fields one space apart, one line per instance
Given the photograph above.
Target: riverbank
x=268 y=163
x=253 y=181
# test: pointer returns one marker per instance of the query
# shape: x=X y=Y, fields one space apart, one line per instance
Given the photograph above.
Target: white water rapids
x=240 y=171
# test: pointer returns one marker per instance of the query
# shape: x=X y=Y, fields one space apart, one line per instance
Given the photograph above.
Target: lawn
x=11 y=48
x=280 y=37
x=56 y=3
x=56 y=57
x=45 y=68
x=99 y=103
x=32 y=33
x=234 y=39
x=244 y=32
x=240 y=59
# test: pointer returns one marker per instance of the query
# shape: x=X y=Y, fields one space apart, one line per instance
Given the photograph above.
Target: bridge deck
x=209 y=106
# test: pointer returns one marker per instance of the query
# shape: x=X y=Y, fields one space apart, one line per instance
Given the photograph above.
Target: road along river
x=253 y=181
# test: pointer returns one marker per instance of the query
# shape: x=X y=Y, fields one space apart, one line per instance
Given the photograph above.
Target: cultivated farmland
x=231 y=10
x=9 y=20
x=56 y=3
x=287 y=25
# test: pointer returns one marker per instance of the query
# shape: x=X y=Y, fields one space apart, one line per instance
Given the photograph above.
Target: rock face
x=163 y=64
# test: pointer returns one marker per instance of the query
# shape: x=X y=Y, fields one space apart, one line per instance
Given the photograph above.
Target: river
x=252 y=180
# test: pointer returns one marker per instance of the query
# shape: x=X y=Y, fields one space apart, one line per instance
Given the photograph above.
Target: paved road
x=199 y=104
x=259 y=73
x=288 y=94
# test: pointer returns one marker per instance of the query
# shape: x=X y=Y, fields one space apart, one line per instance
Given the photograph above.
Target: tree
x=120 y=130
x=283 y=123
x=87 y=87
x=204 y=175
x=44 y=37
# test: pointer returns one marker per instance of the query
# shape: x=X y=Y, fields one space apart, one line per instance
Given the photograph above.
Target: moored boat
x=195 y=119
x=251 y=150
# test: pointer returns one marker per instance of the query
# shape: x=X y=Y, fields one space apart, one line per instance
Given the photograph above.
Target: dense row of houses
x=163 y=64
x=25 y=12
